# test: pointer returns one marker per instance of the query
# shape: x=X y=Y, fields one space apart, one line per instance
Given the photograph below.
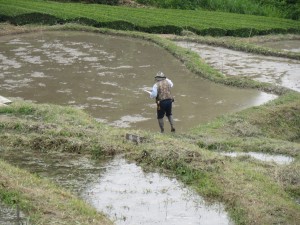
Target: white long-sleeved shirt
x=154 y=88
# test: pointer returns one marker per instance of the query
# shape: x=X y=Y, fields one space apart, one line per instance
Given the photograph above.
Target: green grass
x=146 y=20
x=271 y=8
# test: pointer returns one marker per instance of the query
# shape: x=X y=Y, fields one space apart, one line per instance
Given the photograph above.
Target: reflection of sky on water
x=279 y=159
x=262 y=97
x=149 y=198
x=126 y=121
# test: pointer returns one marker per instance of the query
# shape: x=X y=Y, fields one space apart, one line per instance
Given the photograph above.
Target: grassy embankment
x=253 y=192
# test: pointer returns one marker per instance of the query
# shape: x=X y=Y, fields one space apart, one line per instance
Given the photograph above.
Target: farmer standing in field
x=161 y=91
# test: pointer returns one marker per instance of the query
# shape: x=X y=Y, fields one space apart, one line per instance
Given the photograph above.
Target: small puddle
x=281 y=71
x=122 y=190
x=279 y=159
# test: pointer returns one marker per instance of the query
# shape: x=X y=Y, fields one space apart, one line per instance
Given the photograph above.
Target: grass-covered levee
x=253 y=192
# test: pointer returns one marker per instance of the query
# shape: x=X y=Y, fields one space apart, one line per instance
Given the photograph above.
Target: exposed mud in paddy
x=122 y=190
x=281 y=71
x=106 y=75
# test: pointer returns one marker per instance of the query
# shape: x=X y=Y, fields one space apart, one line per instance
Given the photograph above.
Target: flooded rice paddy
x=122 y=190
x=106 y=76
x=281 y=71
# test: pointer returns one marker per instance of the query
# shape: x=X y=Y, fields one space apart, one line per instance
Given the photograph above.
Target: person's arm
x=153 y=93
x=170 y=82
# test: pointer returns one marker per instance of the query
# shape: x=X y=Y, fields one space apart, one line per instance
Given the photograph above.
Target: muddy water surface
x=281 y=71
x=122 y=190
x=106 y=75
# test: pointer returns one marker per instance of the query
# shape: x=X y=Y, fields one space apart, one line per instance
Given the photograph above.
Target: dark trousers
x=165 y=108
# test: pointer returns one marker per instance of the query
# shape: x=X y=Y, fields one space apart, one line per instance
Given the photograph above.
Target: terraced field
x=141 y=19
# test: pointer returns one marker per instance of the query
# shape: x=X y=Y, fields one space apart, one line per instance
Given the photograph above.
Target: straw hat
x=160 y=76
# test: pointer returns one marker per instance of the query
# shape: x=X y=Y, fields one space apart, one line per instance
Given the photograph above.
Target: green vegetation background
x=289 y=9
x=170 y=21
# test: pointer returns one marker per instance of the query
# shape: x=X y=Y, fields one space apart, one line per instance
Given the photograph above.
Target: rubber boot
x=170 y=118
x=161 y=125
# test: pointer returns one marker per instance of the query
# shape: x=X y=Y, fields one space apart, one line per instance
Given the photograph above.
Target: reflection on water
x=281 y=71
x=106 y=75
x=279 y=159
x=122 y=190
x=149 y=198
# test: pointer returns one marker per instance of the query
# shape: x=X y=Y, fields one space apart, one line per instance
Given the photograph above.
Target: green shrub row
x=107 y=2
x=21 y=12
x=272 y=8
x=46 y=19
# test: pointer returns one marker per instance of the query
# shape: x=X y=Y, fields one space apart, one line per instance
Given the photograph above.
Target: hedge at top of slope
x=289 y=9
x=174 y=21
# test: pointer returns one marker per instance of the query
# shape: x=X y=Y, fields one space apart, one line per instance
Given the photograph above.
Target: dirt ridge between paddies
x=253 y=192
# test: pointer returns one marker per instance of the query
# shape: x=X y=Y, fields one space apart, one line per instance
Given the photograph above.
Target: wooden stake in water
x=18 y=215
